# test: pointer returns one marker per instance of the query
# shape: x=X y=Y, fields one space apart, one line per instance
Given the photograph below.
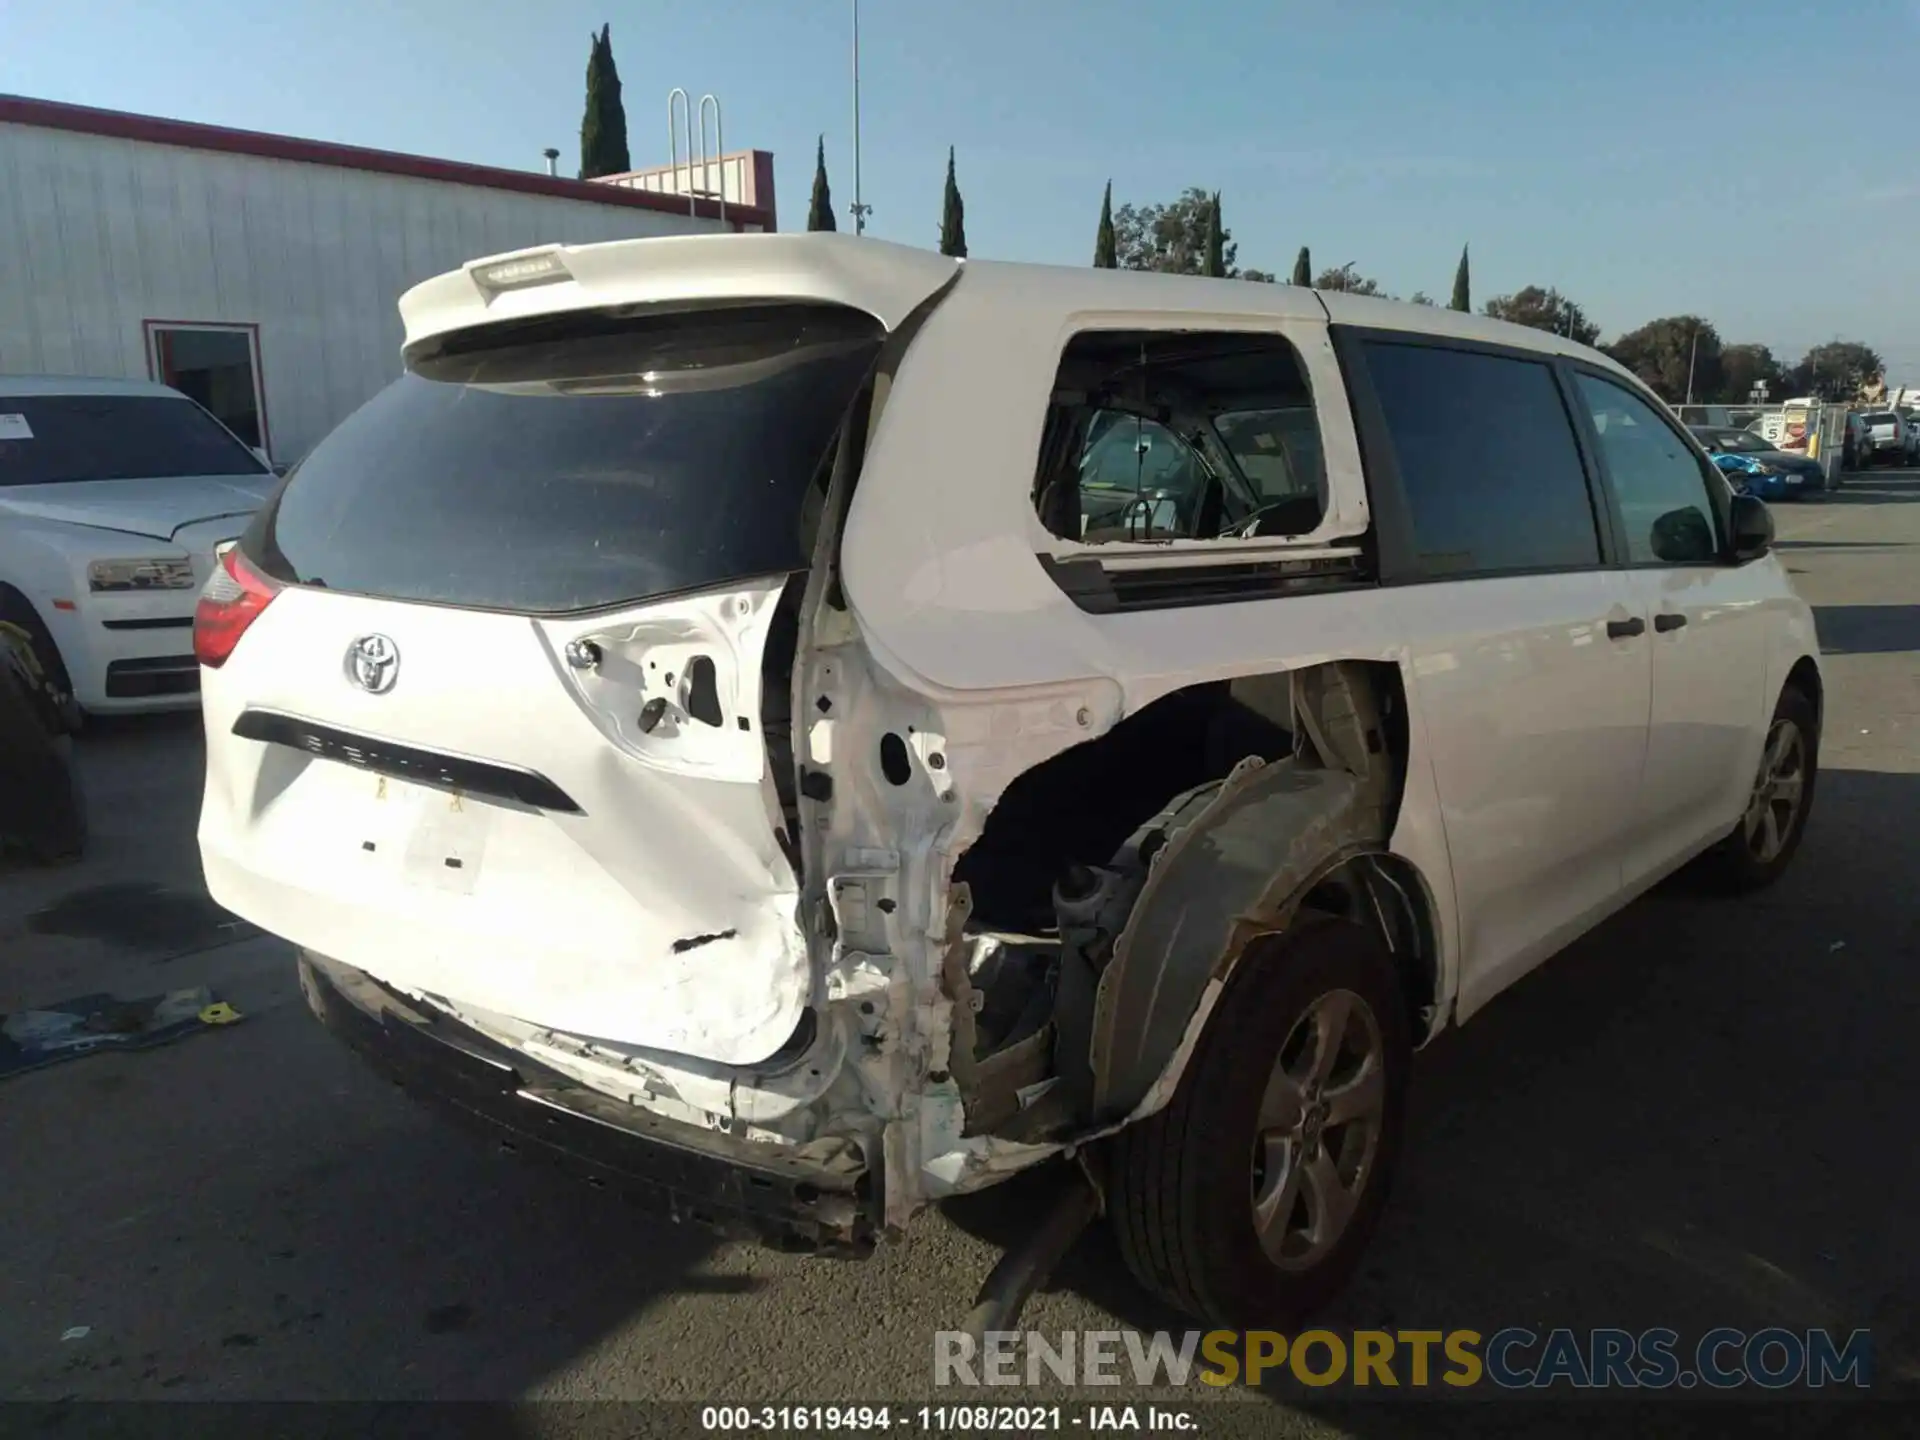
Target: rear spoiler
x=886 y=281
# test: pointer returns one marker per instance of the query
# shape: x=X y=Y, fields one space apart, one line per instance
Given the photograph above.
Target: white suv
x=113 y=496
x=732 y=717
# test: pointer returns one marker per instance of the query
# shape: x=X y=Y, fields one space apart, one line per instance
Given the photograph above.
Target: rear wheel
x=1248 y=1200
x=1762 y=845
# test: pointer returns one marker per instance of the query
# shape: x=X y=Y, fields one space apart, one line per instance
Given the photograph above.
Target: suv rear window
x=578 y=461
x=57 y=439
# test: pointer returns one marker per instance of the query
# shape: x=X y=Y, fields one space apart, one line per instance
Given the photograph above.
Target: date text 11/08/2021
x=944 y=1419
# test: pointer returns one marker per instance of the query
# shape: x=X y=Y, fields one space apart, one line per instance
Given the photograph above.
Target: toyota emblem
x=373 y=663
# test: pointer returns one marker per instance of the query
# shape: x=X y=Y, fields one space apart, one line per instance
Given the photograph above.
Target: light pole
x=860 y=210
x=1692 y=354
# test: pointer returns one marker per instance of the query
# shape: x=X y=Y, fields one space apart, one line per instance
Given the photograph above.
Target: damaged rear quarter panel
x=1040 y=676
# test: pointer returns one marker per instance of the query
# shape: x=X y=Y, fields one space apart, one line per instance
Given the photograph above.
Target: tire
x=15 y=609
x=1763 y=843
x=46 y=813
x=1184 y=1182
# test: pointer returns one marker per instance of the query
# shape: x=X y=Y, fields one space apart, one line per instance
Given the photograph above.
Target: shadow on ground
x=1867 y=629
x=1876 y=487
x=352 y=1244
x=1695 y=1117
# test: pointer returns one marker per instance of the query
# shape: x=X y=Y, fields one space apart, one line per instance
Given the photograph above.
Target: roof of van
x=81 y=385
x=888 y=281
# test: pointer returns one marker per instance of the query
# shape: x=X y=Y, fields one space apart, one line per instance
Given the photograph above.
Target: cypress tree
x=1106 y=252
x=820 y=211
x=1213 y=261
x=953 y=216
x=1462 y=297
x=1303 y=270
x=603 y=128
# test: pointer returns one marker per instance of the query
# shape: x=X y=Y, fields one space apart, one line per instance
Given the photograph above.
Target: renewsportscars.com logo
x=1513 y=1358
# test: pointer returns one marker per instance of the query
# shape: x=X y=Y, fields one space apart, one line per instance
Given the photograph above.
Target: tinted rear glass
x=1739 y=442
x=578 y=462
x=1487 y=459
x=54 y=439
x=1885 y=417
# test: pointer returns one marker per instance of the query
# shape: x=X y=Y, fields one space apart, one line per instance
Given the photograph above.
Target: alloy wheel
x=1319 y=1130
x=1778 y=792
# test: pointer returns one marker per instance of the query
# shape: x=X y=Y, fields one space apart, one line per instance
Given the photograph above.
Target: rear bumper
x=823 y=1204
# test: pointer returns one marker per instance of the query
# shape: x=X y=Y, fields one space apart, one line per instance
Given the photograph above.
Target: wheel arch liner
x=1243 y=857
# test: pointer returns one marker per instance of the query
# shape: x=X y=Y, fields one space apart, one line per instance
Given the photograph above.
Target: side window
x=1165 y=435
x=1488 y=461
x=1277 y=450
x=1657 y=480
x=1139 y=481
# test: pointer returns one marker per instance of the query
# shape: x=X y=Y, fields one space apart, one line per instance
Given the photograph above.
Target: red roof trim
x=85 y=120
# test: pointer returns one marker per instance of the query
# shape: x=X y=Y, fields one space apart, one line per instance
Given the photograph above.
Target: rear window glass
x=1487 y=460
x=56 y=439
x=1741 y=442
x=578 y=462
x=1885 y=417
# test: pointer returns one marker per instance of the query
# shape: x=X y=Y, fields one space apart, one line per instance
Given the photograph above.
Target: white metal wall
x=98 y=235
x=731 y=175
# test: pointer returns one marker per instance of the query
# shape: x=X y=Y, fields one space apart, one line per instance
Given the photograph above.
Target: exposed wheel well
x=1387 y=895
x=1805 y=677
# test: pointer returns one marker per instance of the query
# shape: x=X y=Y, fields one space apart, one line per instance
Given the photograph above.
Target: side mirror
x=1752 y=526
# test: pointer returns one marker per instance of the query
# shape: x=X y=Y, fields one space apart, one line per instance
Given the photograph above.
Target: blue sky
x=1754 y=162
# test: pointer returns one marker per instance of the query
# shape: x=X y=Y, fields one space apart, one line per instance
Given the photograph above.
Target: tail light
x=233 y=599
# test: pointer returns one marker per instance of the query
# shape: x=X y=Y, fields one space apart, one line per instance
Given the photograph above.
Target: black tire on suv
x=1257 y=1128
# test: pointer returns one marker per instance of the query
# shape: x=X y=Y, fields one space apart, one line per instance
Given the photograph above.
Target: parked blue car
x=1753 y=466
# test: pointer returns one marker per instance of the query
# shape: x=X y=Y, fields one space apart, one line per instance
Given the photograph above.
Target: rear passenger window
x=1179 y=435
x=1487 y=459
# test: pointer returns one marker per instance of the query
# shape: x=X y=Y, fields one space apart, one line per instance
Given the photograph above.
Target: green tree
x=1106 y=255
x=1420 y=297
x=1545 y=309
x=1674 y=355
x=1462 y=291
x=603 y=128
x=1303 y=269
x=820 y=209
x=1264 y=277
x=1171 y=238
x=1837 y=370
x=1744 y=366
x=1348 y=280
x=953 y=216
x=1213 y=261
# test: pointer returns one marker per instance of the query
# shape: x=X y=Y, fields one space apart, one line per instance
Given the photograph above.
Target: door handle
x=1671 y=620
x=1626 y=629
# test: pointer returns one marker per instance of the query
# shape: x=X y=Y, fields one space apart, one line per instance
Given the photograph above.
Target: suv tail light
x=235 y=595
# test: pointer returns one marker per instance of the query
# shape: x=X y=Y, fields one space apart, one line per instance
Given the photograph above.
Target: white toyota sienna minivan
x=796 y=727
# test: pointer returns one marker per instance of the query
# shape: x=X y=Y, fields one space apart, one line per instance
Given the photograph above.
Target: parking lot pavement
x=1699 y=1115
